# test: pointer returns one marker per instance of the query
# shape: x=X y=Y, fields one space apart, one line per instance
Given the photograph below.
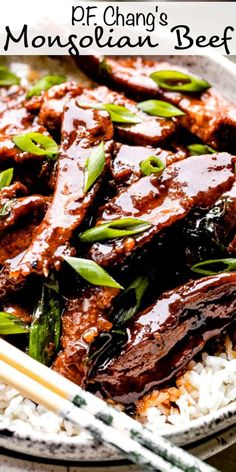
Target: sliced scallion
x=152 y=165
x=45 y=83
x=114 y=229
x=37 y=144
x=92 y=272
x=179 y=81
x=215 y=266
x=44 y=336
x=94 y=166
x=10 y=324
x=159 y=108
x=7 y=78
x=118 y=113
x=129 y=301
x=6 y=177
x=107 y=344
x=104 y=66
x=199 y=149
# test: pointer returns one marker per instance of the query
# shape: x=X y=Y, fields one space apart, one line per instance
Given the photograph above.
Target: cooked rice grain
x=205 y=387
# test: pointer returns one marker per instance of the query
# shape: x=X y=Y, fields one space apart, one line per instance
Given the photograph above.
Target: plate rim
x=182 y=435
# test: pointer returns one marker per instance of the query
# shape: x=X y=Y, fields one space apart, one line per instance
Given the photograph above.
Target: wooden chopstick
x=63 y=397
x=58 y=405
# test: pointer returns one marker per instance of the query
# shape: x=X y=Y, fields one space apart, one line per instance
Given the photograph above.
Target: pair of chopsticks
x=105 y=423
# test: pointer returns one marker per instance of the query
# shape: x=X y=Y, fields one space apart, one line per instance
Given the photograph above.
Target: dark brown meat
x=191 y=183
x=82 y=131
x=8 y=284
x=12 y=191
x=208 y=115
x=13 y=114
x=15 y=241
x=84 y=318
x=53 y=102
x=127 y=159
x=151 y=130
x=11 y=97
x=15 y=119
x=72 y=362
x=18 y=223
x=163 y=338
x=232 y=246
x=21 y=207
x=34 y=103
x=18 y=226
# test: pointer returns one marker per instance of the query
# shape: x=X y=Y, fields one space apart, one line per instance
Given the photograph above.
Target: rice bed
x=205 y=387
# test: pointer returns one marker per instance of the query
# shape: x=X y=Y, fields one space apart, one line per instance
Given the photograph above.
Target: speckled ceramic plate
x=205 y=436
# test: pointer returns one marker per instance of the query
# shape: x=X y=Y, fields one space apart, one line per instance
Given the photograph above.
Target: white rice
x=205 y=387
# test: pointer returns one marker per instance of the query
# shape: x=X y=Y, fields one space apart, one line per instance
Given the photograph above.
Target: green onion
x=7 y=78
x=104 y=66
x=221 y=265
x=10 y=324
x=45 y=83
x=175 y=80
x=152 y=165
x=94 y=166
x=92 y=272
x=199 y=149
x=44 y=339
x=107 y=345
x=7 y=207
x=159 y=108
x=129 y=301
x=37 y=144
x=118 y=113
x=114 y=229
x=6 y=177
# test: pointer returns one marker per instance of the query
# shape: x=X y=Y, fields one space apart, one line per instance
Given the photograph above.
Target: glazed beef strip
x=162 y=339
x=127 y=159
x=16 y=118
x=85 y=316
x=208 y=115
x=13 y=99
x=162 y=201
x=21 y=207
x=193 y=188
x=10 y=154
x=82 y=131
x=16 y=240
x=17 y=227
x=53 y=102
x=232 y=246
x=151 y=130
x=17 y=189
